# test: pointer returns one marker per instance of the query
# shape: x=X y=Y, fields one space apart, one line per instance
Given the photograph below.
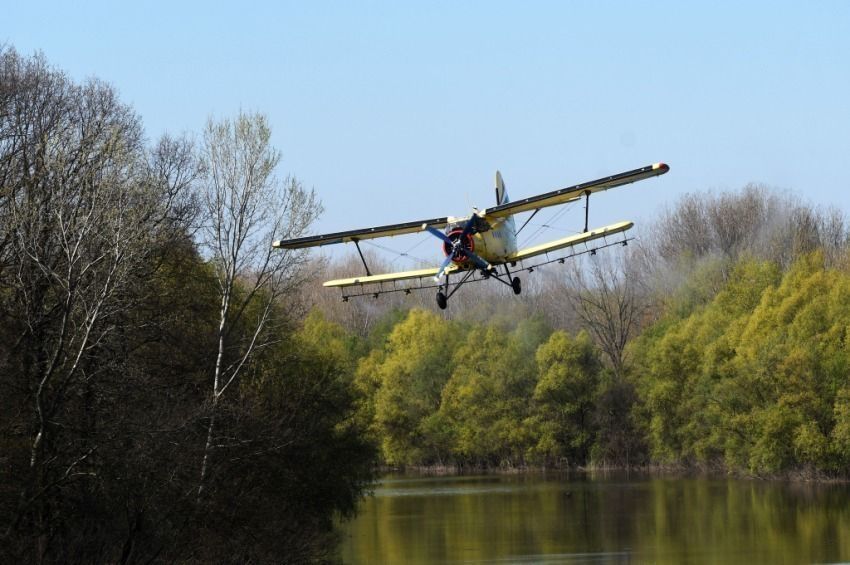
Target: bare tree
x=246 y=207
x=607 y=294
x=755 y=221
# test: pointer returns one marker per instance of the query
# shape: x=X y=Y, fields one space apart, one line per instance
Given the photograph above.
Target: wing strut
x=357 y=244
x=586 y=208
x=529 y=219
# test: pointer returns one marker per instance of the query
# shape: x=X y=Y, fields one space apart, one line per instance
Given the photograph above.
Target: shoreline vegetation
x=716 y=471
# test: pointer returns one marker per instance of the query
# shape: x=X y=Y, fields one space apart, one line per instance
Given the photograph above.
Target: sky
x=399 y=111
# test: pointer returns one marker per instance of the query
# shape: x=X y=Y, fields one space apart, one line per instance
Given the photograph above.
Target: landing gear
x=516 y=284
x=513 y=282
x=445 y=291
x=442 y=301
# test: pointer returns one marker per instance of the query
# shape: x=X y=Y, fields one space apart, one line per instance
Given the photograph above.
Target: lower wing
x=570 y=241
x=389 y=277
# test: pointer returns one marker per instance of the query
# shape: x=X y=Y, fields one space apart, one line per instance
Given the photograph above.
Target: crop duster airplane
x=479 y=245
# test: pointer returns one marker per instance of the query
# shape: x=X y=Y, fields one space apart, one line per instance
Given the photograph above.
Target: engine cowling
x=459 y=244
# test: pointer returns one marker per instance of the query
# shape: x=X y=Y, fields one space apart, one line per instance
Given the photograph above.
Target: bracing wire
x=548 y=224
x=400 y=254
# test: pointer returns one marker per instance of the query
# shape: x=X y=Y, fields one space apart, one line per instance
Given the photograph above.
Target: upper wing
x=357 y=235
x=569 y=194
x=548 y=199
x=389 y=277
x=570 y=241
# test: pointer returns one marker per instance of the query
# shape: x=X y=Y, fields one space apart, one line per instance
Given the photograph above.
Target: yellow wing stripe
x=570 y=241
x=389 y=277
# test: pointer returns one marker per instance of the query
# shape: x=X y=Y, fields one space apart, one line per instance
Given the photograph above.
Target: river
x=598 y=518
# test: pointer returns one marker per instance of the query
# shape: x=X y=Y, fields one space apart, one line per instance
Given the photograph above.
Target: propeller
x=456 y=250
x=442 y=269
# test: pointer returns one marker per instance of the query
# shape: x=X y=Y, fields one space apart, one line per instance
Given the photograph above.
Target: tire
x=516 y=284
x=442 y=301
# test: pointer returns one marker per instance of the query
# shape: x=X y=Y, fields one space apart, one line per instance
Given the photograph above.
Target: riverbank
x=677 y=470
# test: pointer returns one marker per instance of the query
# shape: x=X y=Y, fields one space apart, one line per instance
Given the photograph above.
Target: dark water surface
x=599 y=518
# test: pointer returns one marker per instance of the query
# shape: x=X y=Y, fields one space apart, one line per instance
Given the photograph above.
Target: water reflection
x=598 y=519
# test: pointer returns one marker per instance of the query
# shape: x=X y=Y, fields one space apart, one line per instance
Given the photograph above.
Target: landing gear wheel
x=516 y=285
x=442 y=301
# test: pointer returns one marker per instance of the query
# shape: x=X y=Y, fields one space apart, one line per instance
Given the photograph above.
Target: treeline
x=756 y=379
x=718 y=340
x=745 y=367
x=160 y=399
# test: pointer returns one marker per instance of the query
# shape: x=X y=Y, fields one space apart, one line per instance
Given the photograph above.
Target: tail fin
x=501 y=193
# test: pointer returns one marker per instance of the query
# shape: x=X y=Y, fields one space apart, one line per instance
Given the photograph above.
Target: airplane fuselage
x=493 y=241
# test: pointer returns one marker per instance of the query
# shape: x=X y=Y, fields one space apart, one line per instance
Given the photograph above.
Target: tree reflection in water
x=599 y=518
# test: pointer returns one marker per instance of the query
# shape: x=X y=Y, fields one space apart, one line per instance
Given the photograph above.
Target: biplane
x=482 y=245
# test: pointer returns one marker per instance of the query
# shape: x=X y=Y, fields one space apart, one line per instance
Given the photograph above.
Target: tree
x=607 y=294
x=295 y=459
x=245 y=208
x=486 y=401
x=408 y=379
x=564 y=398
x=108 y=309
x=755 y=221
x=85 y=211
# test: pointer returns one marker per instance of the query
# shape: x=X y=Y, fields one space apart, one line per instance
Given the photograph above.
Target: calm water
x=598 y=519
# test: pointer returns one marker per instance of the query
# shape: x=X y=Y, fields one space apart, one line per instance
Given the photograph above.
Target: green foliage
x=328 y=342
x=840 y=435
x=564 y=398
x=406 y=378
x=485 y=401
x=381 y=330
x=438 y=392
x=753 y=379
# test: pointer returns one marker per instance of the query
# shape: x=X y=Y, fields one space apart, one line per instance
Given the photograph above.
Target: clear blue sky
x=396 y=111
